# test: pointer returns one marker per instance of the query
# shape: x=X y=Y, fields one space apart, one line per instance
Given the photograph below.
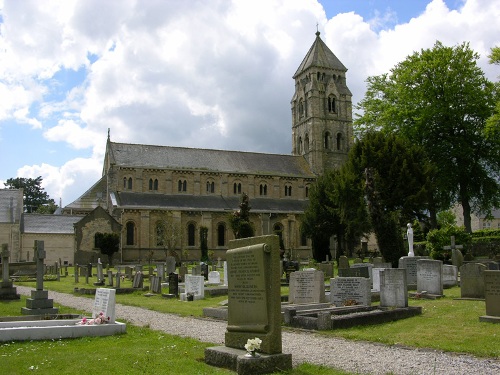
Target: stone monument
x=7 y=291
x=492 y=297
x=254 y=309
x=39 y=303
x=409 y=235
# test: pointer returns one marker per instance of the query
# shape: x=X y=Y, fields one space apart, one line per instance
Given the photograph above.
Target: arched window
x=124 y=182
x=210 y=187
x=221 y=235
x=160 y=234
x=263 y=189
x=306 y=144
x=307 y=191
x=130 y=235
x=153 y=184
x=339 y=141
x=129 y=183
x=288 y=190
x=278 y=230
x=237 y=188
x=191 y=232
x=182 y=185
x=331 y=104
x=301 y=108
x=327 y=141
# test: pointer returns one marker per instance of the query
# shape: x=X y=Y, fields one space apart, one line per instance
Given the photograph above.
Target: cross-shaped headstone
x=5 y=263
x=456 y=254
x=40 y=256
x=453 y=246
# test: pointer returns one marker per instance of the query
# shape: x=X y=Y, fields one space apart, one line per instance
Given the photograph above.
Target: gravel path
x=356 y=357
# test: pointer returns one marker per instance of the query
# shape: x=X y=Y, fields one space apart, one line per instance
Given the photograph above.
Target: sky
x=198 y=73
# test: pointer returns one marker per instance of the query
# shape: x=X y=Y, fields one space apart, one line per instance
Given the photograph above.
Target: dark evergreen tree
x=240 y=220
x=109 y=244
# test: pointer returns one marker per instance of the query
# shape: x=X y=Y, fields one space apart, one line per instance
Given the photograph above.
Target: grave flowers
x=99 y=319
x=251 y=346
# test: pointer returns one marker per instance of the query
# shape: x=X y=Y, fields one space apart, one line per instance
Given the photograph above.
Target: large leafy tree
x=440 y=99
x=493 y=123
x=108 y=243
x=168 y=233
x=35 y=198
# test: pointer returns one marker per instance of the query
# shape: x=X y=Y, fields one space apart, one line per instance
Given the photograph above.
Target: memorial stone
x=393 y=289
x=410 y=264
x=450 y=276
x=110 y=278
x=138 y=281
x=343 y=262
x=347 y=290
x=170 y=265
x=457 y=258
x=173 y=284
x=354 y=272
x=492 y=296
x=128 y=273
x=194 y=286
x=118 y=279
x=327 y=269
x=214 y=277
x=160 y=270
x=104 y=302
x=155 y=284
x=204 y=270
x=307 y=286
x=472 y=280
x=182 y=272
x=430 y=276
x=196 y=270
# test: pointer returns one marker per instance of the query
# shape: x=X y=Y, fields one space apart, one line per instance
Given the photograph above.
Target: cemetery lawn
x=139 y=351
x=445 y=324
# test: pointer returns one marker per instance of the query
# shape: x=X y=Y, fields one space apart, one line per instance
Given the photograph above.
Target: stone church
x=177 y=201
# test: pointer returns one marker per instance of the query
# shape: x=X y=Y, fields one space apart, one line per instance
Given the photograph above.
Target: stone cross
x=452 y=245
x=40 y=256
x=456 y=255
x=5 y=263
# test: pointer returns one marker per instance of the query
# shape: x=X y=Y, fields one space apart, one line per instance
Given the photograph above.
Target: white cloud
x=212 y=74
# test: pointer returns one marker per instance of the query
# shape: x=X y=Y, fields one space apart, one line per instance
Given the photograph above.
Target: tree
x=240 y=220
x=493 y=123
x=108 y=243
x=34 y=195
x=168 y=233
x=440 y=99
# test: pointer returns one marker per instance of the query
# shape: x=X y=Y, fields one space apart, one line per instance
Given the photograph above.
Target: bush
x=437 y=239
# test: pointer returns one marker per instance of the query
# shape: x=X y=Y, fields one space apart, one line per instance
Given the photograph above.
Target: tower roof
x=320 y=56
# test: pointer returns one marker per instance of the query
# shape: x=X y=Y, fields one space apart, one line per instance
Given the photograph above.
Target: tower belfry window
x=331 y=104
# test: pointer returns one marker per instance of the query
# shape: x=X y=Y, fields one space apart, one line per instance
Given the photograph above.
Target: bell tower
x=321 y=110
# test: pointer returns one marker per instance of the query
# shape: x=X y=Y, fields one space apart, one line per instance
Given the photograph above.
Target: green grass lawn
x=446 y=324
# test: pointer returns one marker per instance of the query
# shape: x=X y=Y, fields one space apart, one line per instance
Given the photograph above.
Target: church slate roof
x=184 y=158
x=91 y=198
x=320 y=56
x=50 y=224
x=212 y=203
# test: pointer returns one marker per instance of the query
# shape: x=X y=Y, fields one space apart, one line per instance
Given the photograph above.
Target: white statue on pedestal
x=409 y=234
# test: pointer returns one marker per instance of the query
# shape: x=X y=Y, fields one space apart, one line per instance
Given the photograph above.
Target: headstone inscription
x=307 y=286
x=104 y=303
x=472 y=280
x=393 y=289
x=430 y=276
x=492 y=296
x=350 y=291
x=195 y=287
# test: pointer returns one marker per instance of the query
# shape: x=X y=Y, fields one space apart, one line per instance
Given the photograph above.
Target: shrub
x=437 y=239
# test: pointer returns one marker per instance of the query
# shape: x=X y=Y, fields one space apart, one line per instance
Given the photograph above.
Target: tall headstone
x=204 y=270
x=393 y=289
x=254 y=308
x=170 y=265
x=343 y=262
x=472 y=280
x=7 y=291
x=410 y=264
x=350 y=290
x=104 y=302
x=155 y=284
x=307 y=286
x=39 y=303
x=492 y=296
x=110 y=278
x=173 y=284
x=430 y=276
x=100 y=273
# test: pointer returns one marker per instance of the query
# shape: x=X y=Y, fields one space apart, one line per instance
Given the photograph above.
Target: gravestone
x=100 y=273
x=196 y=270
x=254 y=308
x=214 y=277
x=225 y=272
x=155 y=284
x=393 y=289
x=450 y=276
x=39 y=303
x=118 y=280
x=110 y=278
x=350 y=290
x=430 y=276
x=491 y=296
x=410 y=264
x=138 y=281
x=472 y=280
x=204 y=270
x=193 y=286
x=307 y=286
x=327 y=269
x=104 y=302
x=376 y=277
x=7 y=291
x=89 y=270
x=457 y=258
x=368 y=267
x=128 y=273
x=182 y=272
x=173 y=284
x=343 y=262
x=160 y=270
x=170 y=265
x=354 y=272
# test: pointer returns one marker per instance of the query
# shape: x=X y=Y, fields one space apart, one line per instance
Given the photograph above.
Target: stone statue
x=409 y=234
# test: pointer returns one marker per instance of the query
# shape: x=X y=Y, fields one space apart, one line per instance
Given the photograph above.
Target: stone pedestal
x=7 y=291
x=235 y=360
x=39 y=304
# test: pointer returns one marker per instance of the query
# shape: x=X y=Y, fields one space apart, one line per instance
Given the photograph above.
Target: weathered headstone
x=368 y=267
x=173 y=284
x=214 y=277
x=393 y=289
x=100 y=273
x=327 y=269
x=128 y=273
x=104 y=302
x=196 y=270
x=182 y=272
x=138 y=281
x=430 y=276
x=450 y=276
x=118 y=279
x=410 y=264
x=350 y=290
x=7 y=291
x=307 y=286
x=160 y=270
x=354 y=272
x=492 y=296
x=343 y=262
x=110 y=278
x=39 y=303
x=170 y=265
x=155 y=284
x=457 y=258
x=254 y=308
x=472 y=280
